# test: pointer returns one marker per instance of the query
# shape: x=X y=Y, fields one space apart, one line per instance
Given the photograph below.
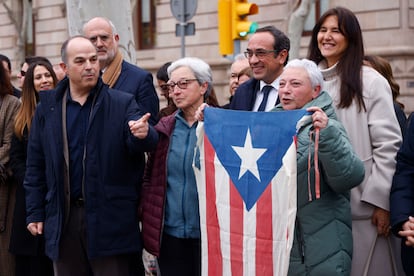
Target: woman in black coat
x=28 y=249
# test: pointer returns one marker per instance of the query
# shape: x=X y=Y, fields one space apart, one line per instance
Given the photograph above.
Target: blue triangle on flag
x=272 y=132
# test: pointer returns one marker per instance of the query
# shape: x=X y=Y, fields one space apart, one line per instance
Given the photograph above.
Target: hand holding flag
x=199 y=115
x=319 y=118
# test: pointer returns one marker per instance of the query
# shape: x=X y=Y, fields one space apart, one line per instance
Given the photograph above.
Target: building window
x=318 y=7
x=144 y=24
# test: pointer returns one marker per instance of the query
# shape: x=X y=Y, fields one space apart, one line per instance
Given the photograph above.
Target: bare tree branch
x=19 y=22
x=11 y=15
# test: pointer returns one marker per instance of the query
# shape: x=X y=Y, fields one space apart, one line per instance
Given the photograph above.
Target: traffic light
x=224 y=26
x=233 y=23
x=240 y=26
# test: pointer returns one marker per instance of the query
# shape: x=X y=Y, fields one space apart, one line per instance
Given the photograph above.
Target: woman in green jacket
x=327 y=168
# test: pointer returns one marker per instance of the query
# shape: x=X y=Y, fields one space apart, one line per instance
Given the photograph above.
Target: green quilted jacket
x=323 y=236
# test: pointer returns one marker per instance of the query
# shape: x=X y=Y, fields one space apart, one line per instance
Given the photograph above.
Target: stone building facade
x=388 y=30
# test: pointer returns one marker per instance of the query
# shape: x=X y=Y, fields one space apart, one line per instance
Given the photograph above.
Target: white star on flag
x=249 y=156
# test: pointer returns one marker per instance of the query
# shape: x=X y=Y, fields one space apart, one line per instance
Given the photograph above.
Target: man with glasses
x=162 y=79
x=118 y=73
x=124 y=76
x=239 y=64
x=267 y=52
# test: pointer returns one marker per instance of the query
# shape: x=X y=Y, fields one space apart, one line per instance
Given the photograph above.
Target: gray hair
x=240 y=57
x=314 y=73
x=112 y=27
x=201 y=70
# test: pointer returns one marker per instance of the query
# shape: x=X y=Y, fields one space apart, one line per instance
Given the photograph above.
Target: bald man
x=85 y=201
x=117 y=72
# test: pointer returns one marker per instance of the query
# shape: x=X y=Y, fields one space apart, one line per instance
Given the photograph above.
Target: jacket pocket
x=300 y=239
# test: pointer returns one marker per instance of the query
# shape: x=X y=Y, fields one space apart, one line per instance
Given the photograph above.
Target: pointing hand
x=139 y=128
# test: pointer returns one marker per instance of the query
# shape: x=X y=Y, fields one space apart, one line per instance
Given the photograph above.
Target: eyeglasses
x=22 y=73
x=165 y=87
x=181 y=83
x=260 y=53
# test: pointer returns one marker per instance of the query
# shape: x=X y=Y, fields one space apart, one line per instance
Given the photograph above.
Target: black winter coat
x=112 y=160
x=402 y=193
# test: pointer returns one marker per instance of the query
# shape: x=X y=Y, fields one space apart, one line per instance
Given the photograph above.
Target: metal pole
x=182 y=26
x=236 y=45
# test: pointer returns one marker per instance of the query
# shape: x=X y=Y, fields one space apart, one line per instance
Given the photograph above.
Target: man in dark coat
x=267 y=52
x=402 y=198
x=118 y=73
x=123 y=76
x=82 y=181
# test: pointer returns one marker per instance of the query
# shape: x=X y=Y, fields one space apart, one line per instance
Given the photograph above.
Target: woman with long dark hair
x=363 y=103
x=28 y=249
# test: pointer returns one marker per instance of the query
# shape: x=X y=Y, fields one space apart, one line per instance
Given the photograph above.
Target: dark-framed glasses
x=259 y=53
x=181 y=83
x=165 y=87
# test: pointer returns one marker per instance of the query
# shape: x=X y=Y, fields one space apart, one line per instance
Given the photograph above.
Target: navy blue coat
x=139 y=83
x=111 y=173
x=402 y=193
x=245 y=95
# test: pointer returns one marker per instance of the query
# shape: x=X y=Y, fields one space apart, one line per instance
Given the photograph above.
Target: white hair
x=314 y=73
x=201 y=70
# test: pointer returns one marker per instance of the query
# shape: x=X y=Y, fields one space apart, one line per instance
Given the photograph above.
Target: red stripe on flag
x=236 y=230
x=215 y=259
x=264 y=233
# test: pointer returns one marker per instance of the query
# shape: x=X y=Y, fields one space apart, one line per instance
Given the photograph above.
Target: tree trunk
x=119 y=12
x=17 y=13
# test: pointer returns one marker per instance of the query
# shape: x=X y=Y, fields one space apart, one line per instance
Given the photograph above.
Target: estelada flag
x=245 y=167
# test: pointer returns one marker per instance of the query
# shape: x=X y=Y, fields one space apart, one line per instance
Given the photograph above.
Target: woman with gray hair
x=327 y=169
x=169 y=203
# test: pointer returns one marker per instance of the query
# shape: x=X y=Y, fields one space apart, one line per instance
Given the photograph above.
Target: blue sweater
x=182 y=219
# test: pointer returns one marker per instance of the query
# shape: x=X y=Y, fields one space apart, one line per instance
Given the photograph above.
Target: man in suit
x=124 y=76
x=267 y=52
x=118 y=73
